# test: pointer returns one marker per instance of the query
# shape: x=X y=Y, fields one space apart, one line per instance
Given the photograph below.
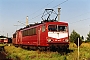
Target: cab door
x=43 y=35
x=38 y=35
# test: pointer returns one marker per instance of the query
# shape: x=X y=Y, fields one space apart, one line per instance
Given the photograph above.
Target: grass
x=2 y=44
x=84 y=52
x=22 y=54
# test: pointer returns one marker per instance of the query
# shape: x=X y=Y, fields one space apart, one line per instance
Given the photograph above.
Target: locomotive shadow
x=61 y=52
x=64 y=52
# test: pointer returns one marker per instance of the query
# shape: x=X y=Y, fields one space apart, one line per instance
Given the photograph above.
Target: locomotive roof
x=42 y=22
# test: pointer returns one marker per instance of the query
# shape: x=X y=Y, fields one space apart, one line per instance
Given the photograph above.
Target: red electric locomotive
x=49 y=34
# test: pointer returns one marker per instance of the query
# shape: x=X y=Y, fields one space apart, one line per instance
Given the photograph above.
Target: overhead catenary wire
x=37 y=11
x=43 y=7
x=40 y=9
x=54 y=7
x=77 y=16
x=36 y=16
x=46 y=5
x=79 y=20
x=60 y=3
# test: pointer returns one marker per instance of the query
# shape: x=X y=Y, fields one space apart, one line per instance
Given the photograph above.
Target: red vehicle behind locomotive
x=49 y=34
x=3 y=39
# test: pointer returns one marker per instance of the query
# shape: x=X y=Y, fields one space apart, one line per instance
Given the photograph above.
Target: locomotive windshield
x=57 y=28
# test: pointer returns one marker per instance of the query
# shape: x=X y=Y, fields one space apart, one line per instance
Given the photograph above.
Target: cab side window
x=43 y=28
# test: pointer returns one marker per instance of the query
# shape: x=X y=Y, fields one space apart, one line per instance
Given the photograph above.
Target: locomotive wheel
x=47 y=48
x=42 y=48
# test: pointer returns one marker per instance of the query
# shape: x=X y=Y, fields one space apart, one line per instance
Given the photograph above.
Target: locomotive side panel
x=29 y=40
x=29 y=36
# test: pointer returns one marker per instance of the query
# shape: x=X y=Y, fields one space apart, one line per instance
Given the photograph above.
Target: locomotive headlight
x=49 y=40
x=66 y=40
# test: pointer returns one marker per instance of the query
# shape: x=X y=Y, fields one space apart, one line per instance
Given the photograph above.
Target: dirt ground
x=2 y=56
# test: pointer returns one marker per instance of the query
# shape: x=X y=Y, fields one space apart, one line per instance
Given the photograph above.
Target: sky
x=75 y=12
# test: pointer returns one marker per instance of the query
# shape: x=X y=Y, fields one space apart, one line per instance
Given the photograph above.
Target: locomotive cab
x=58 y=36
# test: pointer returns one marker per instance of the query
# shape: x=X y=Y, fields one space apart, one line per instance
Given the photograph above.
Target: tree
x=74 y=35
x=88 y=37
